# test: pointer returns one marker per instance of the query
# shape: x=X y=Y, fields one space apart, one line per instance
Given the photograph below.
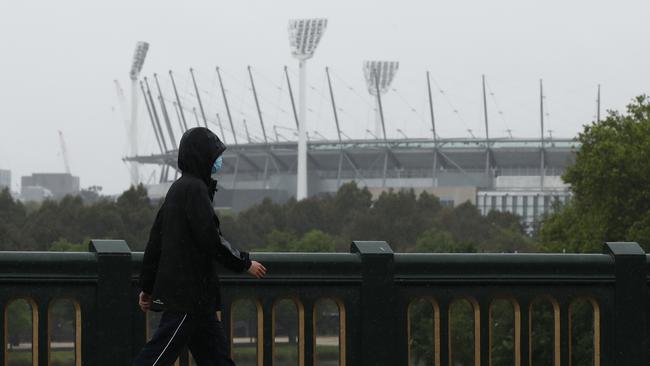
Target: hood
x=198 y=150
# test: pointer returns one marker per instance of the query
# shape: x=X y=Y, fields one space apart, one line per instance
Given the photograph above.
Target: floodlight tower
x=304 y=36
x=379 y=75
x=139 y=55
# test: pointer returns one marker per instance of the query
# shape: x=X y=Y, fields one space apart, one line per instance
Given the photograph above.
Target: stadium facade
x=514 y=175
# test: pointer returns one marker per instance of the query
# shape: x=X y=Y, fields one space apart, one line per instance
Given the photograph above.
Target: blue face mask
x=216 y=167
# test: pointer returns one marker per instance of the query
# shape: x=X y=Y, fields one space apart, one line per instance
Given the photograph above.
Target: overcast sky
x=58 y=60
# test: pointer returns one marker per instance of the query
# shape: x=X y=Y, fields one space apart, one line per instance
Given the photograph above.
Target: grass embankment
x=283 y=355
x=24 y=358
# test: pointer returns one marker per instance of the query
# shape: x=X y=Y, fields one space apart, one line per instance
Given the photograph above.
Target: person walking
x=179 y=269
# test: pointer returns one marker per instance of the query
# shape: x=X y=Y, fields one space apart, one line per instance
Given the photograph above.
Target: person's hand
x=256 y=269
x=144 y=301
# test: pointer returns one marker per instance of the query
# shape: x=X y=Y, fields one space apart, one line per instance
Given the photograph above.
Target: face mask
x=216 y=167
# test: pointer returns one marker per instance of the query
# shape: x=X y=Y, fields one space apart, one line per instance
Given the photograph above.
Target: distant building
x=523 y=196
x=58 y=184
x=35 y=194
x=5 y=179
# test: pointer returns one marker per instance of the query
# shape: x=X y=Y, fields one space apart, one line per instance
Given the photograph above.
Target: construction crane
x=64 y=153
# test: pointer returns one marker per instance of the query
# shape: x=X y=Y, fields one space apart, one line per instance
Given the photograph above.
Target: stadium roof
x=408 y=154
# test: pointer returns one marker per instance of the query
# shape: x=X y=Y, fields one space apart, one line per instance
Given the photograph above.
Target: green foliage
x=57 y=358
x=280 y=241
x=136 y=213
x=582 y=330
x=67 y=224
x=503 y=332
x=542 y=333
x=12 y=215
x=421 y=325
x=19 y=322
x=640 y=231
x=315 y=241
x=62 y=245
x=286 y=320
x=312 y=241
x=461 y=323
x=325 y=223
x=19 y=331
x=439 y=241
x=406 y=221
x=62 y=321
x=609 y=180
x=464 y=230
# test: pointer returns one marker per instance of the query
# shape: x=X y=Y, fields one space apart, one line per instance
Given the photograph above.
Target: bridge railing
x=367 y=307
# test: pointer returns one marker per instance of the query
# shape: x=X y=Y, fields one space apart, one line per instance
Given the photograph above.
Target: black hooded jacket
x=179 y=269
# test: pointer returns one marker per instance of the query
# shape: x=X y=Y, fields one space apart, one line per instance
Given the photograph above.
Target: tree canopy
x=68 y=224
x=326 y=223
x=407 y=222
x=610 y=185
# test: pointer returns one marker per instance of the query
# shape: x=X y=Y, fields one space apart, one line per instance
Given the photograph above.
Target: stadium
x=455 y=170
x=518 y=175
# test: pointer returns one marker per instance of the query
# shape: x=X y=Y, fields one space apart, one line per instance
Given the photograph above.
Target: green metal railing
x=375 y=292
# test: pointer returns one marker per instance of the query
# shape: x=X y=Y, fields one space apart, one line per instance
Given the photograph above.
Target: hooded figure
x=179 y=267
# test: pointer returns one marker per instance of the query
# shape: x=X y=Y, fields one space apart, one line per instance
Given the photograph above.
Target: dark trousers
x=202 y=334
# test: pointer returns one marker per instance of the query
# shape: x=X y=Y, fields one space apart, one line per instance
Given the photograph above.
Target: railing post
x=267 y=332
x=378 y=305
x=310 y=335
x=3 y=341
x=630 y=302
x=524 y=338
x=113 y=317
x=43 y=337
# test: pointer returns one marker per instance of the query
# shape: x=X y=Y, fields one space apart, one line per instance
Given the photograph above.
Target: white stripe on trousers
x=170 y=340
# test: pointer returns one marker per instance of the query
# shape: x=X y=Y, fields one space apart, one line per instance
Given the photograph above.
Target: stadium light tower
x=304 y=36
x=139 y=55
x=379 y=75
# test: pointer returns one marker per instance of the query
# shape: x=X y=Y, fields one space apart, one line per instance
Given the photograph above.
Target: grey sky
x=58 y=60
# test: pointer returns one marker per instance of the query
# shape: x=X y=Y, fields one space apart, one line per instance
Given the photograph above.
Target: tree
x=609 y=181
x=307 y=214
x=315 y=241
x=439 y=241
x=397 y=217
x=19 y=321
x=55 y=224
x=312 y=241
x=248 y=230
x=137 y=215
x=12 y=215
x=91 y=194
x=280 y=241
x=55 y=220
x=421 y=332
x=63 y=245
x=349 y=202
x=465 y=223
x=326 y=222
x=506 y=220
